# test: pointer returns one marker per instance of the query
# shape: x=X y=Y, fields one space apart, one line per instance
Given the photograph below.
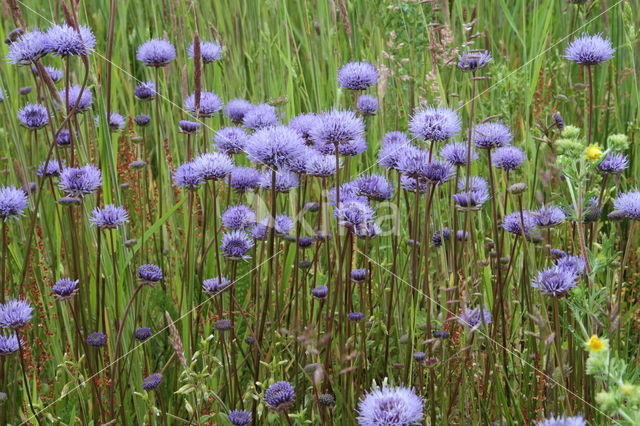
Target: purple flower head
x=63 y=138
x=357 y=75
x=435 y=124
x=348 y=149
x=562 y=420
x=348 y=192
x=28 y=48
x=236 y=244
x=116 y=121
x=9 y=344
x=471 y=199
x=475 y=318
x=13 y=202
x=629 y=203
x=355 y=316
x=337 y=127
x=259 y=116
x=299 y=164
x=285 y=180
x=142 y=119
x=412 y=161
x=236 y=109
x=188 y=127
x=152 y=381
x=210 y=103
x=209 y=51
x=54 y=74
x=549 y=216
x=213 y=286
x=437 y=172
x=188 y=176
x=557 y=254
x=33 y=116
x=320 y=292
x=367 y=105
x=213 y=165
x=306 y=242
x=231 y=140
x=15 y=314
x=243 y=179
x=613 y=164
x=353 y=214
x=374 y=187
x=359 y=275
x=97 y=339
x=65 y=288
x=280 y=396
x=491 y=135
x=109 y=217
x=573 y=264
x=150 y=274
x=456 y=153
x=277 y=147
x=555 y=281
x=156 y=53
x=283 y=224
x=303 y=124
x=390 y=154
x=440 y=236
x=370 y=230
x=589 y=50
x=145 y=91
x=77 y=102
x=390 y=406
x=395 y=137
x=63 y=40
x=471 y=61
x=80 y=181
x=519 y=223
x=142 y=333
x=508 y=158
x=239 y=417
x=413 y=184
x=321 y=165
x=238 y=217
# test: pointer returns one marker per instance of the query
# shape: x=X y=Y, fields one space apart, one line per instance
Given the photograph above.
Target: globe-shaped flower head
x=519 y=223
x=303 y=124
x=235 y=245
x=573 y=264
x=475 y=318
x=337 y=127
x=188 y=127
x=555 y=281
x=491 y=135
x=437 y=172
x=13 y=202
x=209 y=51
x=210 y=103
x=15 y=314
x=238 y=217
x=367 y=104
x=188 y=176
x=152 y=381
x=213 y=165
x=456 y=153
x=562 y=420
x=390 y=406
x=374 y=187
x=549 y=216
x=145 y=91
x=239 y=417
x=629 y=203
x=142 y=333
x=277 y=147
x=150 y=274
x=156 y=53
x=231 y=140
x=33 y=116
x=9 y=344
x=54 y=74
x=321 y=165
x=280 y=396
x=65 y=288
x=78 y=98
x=236 y=109
x=213 y=286
x=116 y=121
x=97 y=339
x=508 y=158
x=50 y=168
x=357 y=75
x=77 y=182
x=613 y=164
x=259 y=116
x=28 y=48
x=435 y=124
x=64 y=40
x=109 y=217
x=472 y=61
x=244 y=179
x=390 y=154
x=589 y=50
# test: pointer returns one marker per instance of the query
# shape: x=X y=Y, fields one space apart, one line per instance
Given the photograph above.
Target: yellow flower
x=627 y=388
x=593 y=152
x=595 y=344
